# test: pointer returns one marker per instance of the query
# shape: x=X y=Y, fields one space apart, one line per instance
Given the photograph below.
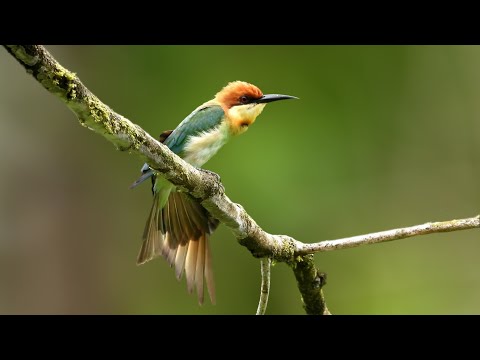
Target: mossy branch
x=310 y=282
x=205 y=186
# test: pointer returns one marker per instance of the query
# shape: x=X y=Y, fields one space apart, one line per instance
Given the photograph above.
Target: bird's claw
x=215 y=175
x=218 y=186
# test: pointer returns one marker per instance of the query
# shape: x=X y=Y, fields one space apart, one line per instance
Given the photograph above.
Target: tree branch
x=389 y=235
x=265 y=265
x=125 y=135
x=310 y=282
x=205 y=186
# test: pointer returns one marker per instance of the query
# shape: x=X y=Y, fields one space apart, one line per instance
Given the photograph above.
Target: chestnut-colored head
x=238 y=93
x=243 y=102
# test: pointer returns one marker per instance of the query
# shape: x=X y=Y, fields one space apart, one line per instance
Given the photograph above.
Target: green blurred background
x=382 y=137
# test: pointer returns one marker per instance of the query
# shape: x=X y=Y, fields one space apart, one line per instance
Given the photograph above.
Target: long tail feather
x=154 y=232
x=178 y=228
x=209 y=272
x=191 y=264
x=199 y=271
x=180 y=260
x=151 y=236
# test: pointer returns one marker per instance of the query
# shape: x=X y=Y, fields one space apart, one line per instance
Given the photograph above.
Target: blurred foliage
x=382 y=137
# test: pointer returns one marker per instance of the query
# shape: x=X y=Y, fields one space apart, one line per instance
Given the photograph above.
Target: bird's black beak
x=273 y=97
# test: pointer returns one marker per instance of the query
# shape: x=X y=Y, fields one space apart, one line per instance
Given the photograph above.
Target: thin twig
x=265 y=265
x=389 y=235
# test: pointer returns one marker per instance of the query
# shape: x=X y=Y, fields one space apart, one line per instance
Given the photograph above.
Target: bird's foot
x=215 y=175
x=218 y=187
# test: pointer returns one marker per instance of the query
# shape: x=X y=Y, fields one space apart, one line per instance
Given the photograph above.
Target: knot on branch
x=320 y=280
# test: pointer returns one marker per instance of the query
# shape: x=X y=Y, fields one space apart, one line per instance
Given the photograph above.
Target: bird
x=178 y=226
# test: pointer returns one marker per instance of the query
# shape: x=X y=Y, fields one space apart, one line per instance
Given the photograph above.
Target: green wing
x=202 y=119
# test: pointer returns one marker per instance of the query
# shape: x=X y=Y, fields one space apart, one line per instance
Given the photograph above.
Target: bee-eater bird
x=178 y=226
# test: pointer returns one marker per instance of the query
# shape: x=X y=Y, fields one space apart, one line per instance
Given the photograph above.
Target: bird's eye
x=244 y=99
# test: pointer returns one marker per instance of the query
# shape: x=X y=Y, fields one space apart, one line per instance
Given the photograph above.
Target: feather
x=164 y=135
x=202 y=119
x=180 y=260
x=189 y=231
x=142 y=178
x=169 y=245
x=190 y=264
x=151 y=238
x=209 y=272
x=200 y=268
x=169 y=226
